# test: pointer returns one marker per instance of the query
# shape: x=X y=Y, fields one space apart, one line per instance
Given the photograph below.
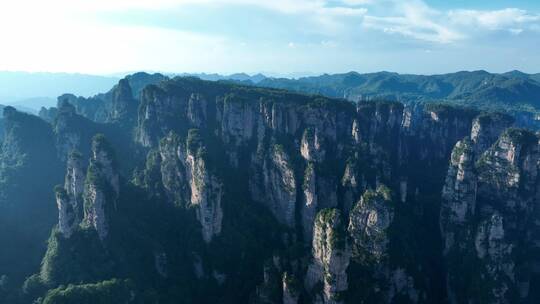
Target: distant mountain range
x=30 y=91
x=514 y=90
x=17 y=86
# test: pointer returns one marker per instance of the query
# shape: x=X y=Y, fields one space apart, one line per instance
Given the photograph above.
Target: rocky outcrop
x=330 y=258
x=312 y=148
x=69 y=198
x=368 y=225
x=486 y=215
x=273 y=183
x=486 y=129
x=238 y=118
x=310 y=205
x=123 y=105
x=101 y=187
x=172 y=150
x=458 y=205
x=495 y=252
x=319 y=192
x=387 y=276
x=291 y=289
x=197 y=110
x=68 y=139
x=66 y=213
x=206 y=189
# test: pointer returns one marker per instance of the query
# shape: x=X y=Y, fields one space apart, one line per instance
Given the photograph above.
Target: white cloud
x=493 y=20
x=417 y=20
x=62 y=35
x=414 y=19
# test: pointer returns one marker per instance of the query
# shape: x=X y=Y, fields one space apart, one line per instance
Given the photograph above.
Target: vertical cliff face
x=67 y=141
x=495 y=251
x=290 y=289
x=486 y=216
x=384 y=271
x=459 y=196
x=101 y=187
x=331 y=255
x=172 y=151
x=274 y=184
x=238 y=119
x=369 y=223
x=312 y=147
x=507 y=190
x=123 y=105
x=69 y=199
x=189 y=180
x=206 y=189
x=233 y=161
x=310 y=204
x=73 y=132
x=486 y=129
x=66 y=213
x=197 y=110
x=457 y=217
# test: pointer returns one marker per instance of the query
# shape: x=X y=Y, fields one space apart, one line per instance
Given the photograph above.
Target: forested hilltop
x=189 y=191
x=515 y=92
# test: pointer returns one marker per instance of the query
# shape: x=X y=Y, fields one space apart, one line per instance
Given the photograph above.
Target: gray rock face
x=353 y=185
x=67 y=139
x=101 y=187
x=75 y=175
x=123 y=105
x=189 y=182
x=290 y=287
x=237 y=121
x=488 y=198
x=292 y=154
x=66 y=214
x=197 y=110
x=458 y=205
x=331 y=257
x=312 y=148
x=486 y=129
x=96 y=214
x=275 y=185
x=69 y=199
x=206 y=195
x=173 y=170
x=310 y=206
x=495 y=252
x=319 y=192
x=368 y=225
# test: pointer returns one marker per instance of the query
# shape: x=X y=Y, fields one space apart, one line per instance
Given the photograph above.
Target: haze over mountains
x=513 y=90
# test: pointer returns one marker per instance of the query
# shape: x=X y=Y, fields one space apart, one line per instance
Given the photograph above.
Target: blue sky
x=278 y=37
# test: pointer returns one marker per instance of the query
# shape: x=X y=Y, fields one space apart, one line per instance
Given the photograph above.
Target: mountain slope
x=213 y=192
x=509 y=91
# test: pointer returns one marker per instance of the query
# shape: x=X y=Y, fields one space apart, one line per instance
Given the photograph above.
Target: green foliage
x=80 y=258
x=28 y=171
x=331 y=218
x=110 y=291
x=194 y=142
x=479 y=89
x=100 y=143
